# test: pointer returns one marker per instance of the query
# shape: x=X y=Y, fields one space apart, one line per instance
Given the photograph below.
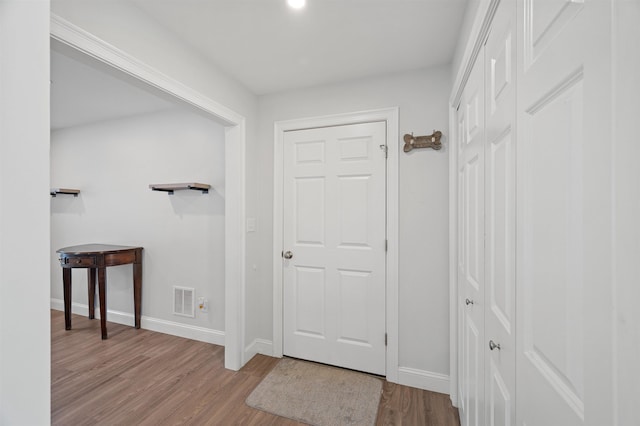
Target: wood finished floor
x=139 y=377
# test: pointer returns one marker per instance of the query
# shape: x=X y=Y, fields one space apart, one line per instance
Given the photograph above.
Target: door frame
x=391 y=117
x=86 y=43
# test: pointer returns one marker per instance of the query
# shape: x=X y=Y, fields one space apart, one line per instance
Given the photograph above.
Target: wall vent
x=184 y=301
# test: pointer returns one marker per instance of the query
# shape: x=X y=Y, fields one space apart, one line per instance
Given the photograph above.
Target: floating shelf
x=55 y=191
x=170 y=187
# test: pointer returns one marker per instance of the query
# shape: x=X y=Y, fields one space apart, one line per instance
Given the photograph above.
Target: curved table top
x=95 y=249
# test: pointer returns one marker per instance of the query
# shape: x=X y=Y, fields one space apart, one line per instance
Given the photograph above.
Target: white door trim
x=390 y=116
x=86 y=43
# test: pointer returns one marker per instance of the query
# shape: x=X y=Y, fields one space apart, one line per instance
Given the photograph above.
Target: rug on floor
x=318 y=394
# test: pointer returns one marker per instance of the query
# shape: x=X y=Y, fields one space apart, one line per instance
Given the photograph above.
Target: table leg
x=66 y=283
x=137 y=292
x=91 y=279
x=102 y=284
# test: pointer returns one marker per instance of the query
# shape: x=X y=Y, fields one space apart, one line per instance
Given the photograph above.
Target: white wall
x=423 y=288
x=122 y=24
x=112 y=163
x=626 y=63
x=24 y=215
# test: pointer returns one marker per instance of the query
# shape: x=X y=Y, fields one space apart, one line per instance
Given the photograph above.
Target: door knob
x=287 y=255
x=493 y=345
x=468 y=302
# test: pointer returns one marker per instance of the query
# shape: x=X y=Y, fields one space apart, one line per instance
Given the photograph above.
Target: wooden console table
x=97 y=257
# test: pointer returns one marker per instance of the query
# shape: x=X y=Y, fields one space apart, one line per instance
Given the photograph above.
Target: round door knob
x=468 y=302
x=287 y=255
x=493 y=345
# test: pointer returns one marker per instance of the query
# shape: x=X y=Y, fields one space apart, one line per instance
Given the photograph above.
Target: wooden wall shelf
x=55 y=191
x=170 y=187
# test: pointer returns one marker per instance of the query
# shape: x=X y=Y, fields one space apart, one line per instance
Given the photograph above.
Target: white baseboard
x=81 y=309
x=407 y=376
x=258 y=346
x=421 y=379
x=192 y=332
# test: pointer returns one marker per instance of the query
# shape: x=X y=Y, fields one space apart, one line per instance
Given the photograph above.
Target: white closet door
x=564 y=213
x=461 y=120
x=471 y=257
x=500 y=215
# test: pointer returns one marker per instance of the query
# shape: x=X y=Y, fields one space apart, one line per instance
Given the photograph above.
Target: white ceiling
x=82 y=94
x=269 y=47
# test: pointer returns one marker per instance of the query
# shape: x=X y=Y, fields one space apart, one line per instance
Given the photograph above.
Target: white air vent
x=184 y=301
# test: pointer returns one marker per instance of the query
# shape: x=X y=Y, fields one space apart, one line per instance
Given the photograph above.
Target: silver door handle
x=287 y=255
x=468 y=302
x=493 y=345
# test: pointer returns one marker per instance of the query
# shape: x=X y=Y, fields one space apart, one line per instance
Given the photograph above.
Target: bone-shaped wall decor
x=429 y=141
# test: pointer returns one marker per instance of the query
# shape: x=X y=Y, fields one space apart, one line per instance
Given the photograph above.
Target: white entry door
x=334 y=245
x=564 y=213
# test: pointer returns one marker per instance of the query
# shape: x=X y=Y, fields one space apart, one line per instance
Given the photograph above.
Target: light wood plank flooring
x=139 y=377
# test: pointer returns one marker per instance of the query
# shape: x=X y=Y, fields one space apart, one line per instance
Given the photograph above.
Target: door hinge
x=385 y=339
x=386 y=245
x=385 y=148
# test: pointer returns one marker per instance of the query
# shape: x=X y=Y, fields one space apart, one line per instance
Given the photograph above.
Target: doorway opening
x=77 y=43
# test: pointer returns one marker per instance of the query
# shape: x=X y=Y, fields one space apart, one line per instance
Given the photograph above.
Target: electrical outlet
x=203 y=305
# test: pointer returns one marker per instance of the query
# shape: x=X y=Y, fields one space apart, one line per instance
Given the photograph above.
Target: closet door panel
x=564 y=214
x=473 y=378
x=500 y=147
x=471 y=263
x=462 y=391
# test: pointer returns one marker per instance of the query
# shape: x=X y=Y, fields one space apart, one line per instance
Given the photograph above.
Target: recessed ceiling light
x=296 y=4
